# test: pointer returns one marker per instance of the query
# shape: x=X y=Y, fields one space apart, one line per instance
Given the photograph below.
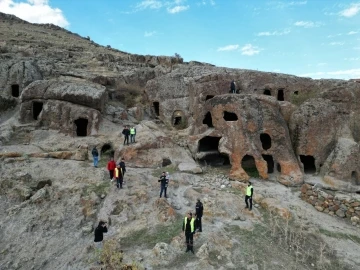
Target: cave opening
x=177 y=120
x=15 y=90
x=280 y=96
x=354 y=178
x=107 y=149
x=36 y=109
x=309 y=164
x=265 y=141
x=296 y=93
x=208 y=120
x=230 y=116
x=209 y=143
x=209 y=97
x=270 y=163
x=215 y=160
x=156 y=107
x=267 y=92
x=278 y=167
x=249 y=166
x=81 y=127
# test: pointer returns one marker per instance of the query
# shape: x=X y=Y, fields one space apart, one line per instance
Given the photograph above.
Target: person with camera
x=163 y=184
x=99 y=236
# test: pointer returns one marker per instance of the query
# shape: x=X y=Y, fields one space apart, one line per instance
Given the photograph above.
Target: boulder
x=190 y=167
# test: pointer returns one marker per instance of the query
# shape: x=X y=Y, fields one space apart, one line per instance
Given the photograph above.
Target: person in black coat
x=126 y=133
x=199 y=208
x=163 y=184
x=99 y=232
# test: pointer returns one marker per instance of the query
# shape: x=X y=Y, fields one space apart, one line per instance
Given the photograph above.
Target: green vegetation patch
x=99 y=188
x=340 y=235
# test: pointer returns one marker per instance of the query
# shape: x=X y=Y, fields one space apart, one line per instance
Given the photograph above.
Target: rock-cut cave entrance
x=280 y=96
x=208 y=120
x=15 y=90
x=230 y=116
x=270 y=163
x=81 y=127
x=156 y=106
x=249 y=166
x=355 y=178
x=209 y=154
x=36 y=109
x=107 y=149
x=265 y=141
x=209 y=97
x=309 y=164
x=267 y=92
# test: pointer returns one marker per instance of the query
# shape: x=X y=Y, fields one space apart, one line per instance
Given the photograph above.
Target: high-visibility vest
x=132 y=131
x=117 y=171
x=248 y=190
x=192 y=224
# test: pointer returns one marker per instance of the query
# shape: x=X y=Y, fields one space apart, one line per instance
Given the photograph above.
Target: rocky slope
x=62 y=94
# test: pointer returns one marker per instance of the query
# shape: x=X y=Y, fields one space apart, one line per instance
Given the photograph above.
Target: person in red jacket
x=111 y=167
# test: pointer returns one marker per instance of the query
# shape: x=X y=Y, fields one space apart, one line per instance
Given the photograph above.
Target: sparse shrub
x=178 y=56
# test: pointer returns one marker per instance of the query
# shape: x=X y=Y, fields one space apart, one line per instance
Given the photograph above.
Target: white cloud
x=34 y=11
x=335 y=35
x=207 y=2
x=149 y=4
x=336 y=43
x=307 y=24
x=352 y=33
x=250 y=50
x=177 y=9
x=274 y=33
x=149 y=34
x=338 y=74
x=352 y=59
x=286 y=4
x=228 y=48
x=351 y=11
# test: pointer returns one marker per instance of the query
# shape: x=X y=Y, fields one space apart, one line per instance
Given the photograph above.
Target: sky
x=310 y=38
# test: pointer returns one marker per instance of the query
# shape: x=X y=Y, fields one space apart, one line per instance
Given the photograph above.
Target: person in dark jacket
x=189 y=229
x=99 y=233
x=163 y=184
x=233 y=87
x=199 y=208
x=95 y=155
x=126 y=133
x=123 y=166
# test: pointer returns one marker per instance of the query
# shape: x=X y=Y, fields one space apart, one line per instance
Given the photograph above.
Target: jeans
x=126 y=139
x=198 y=223
x=132 y=138
x=248 y=198
x=163 y=189
x=96 y=161
x=119 y=182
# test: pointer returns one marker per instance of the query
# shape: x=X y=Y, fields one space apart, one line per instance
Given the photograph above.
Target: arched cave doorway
x=270 y=163
x=209 y=143
x=209 y=154
x=156 y=107
x=178 y=119
x=36 y=109
x=15 y=90
x=81 y=127
x=208 y=120
x=309 y=164
x=280 y=96
x=355 y=178
x=230 y=116
x=249 y=166
x=209 y=97
x=265 y=141
x=267 y=92
x=107 y=149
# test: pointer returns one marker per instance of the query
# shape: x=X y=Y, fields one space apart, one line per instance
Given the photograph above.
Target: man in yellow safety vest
x=118 y=176
x=248 y=196
x=189 y=229
x=132 y=134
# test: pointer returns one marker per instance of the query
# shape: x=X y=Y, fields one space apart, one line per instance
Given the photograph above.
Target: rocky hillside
x=62 y=94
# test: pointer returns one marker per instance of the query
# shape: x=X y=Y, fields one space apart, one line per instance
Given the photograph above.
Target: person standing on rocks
x=99 y=235
x=189 y=229
x=233 y=87
x=126 y=133
x=248 y=196
x=132 y=134
x=111 y=167
x=163 y=184
x=118 y=176
x=123 y=167
x=95 y=155
x=199 y=208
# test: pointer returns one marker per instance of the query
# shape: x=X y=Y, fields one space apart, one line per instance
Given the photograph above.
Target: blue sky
x=313 y=38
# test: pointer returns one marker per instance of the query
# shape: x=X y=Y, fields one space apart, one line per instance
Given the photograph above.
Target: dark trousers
x=198 y=223
x=163 y=189
x=111 y=172
x=189 y=241
x=248 y=198
x=119 y=182
x=126 y=139
x=132 y=138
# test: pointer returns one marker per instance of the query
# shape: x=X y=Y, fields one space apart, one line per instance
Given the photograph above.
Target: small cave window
x=156 y=106
x=296 y=93
x=177 y=120
x=354 y=178
x=280 y=96
x=81 y=127
x=309 y=164
x=15 y=90
x=36 y=109
x=209 y=143
x=249 y=166
x=208 y=120
x=278 y=167
x=265 y=141
x=107 y=149
x=270 y=163
x=267 y=92
x=230 y=116
x=209 y=97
